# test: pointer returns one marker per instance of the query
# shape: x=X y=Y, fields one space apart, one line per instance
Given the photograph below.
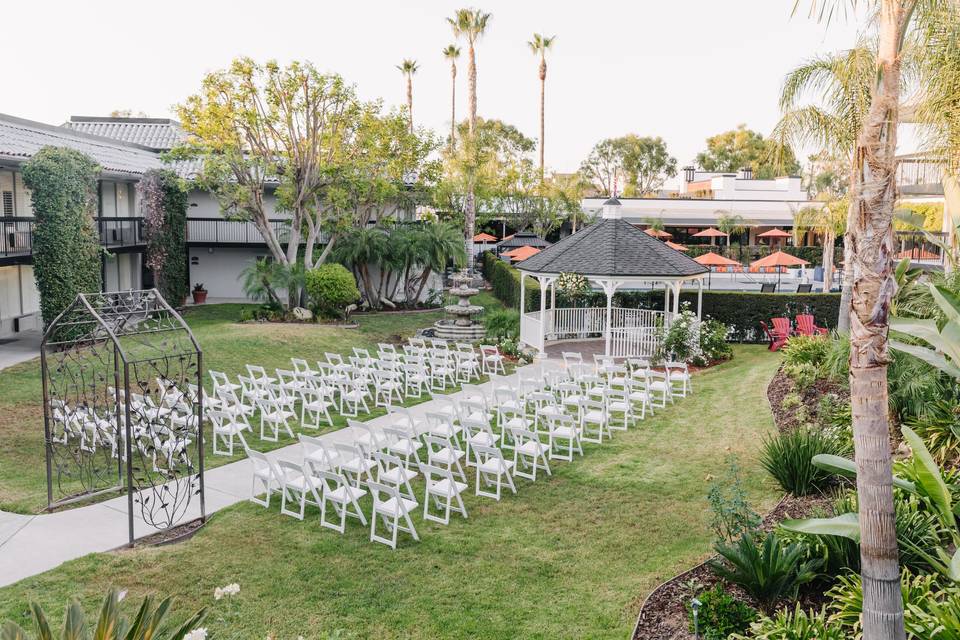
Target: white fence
x=633 y=331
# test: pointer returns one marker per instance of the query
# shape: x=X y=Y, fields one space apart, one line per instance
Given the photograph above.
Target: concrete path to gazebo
x=32 y=544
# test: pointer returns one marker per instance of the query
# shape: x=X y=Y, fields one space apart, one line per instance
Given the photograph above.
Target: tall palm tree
x=470 y=24
x=539 y=45
x=870 y=232
x=827 y=221
x=409 y=67
x=841 y=86
x=451 y=52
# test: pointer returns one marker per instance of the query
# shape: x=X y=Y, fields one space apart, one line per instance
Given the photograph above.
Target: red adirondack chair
x=806 y=327
x=778 y=336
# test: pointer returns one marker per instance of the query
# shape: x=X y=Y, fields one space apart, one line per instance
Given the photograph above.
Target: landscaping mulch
x=782 y=386
x=173 y=535
x=664 y=614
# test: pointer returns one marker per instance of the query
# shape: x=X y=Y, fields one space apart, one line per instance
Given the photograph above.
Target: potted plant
x=199 y=293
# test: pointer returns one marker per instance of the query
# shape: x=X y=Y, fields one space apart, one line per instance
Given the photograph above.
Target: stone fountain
x=464 y=326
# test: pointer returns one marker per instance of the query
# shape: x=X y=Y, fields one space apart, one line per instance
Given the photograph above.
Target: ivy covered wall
x=163 y=203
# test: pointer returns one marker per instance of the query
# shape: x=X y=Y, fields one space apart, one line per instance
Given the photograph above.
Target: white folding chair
x=392 y=508
x=562 y=429
x=390 y=470
x=528 y=453
x=594 y=421
x=318 y=455
x=266 y=473
x=297 y=485
x=344 y=498
x=403 y=443
x=444 y=490
x=679 y=374
x=442 y=453
x=225 y=429
x=493 y=470
x=491 y=360
x=618 y=403
x=355 y=465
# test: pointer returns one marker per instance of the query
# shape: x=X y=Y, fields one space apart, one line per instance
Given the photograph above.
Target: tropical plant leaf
x=12 y=631
x=40 y=618
x=923 y=328
x=848 y=469
x=930 y=483
x=947 y=300
x=846 y=525
x=929 y=356
x=74 y=627
x=192 y=623
x=109 y=614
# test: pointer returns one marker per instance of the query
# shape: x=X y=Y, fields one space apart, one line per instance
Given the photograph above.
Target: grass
x=571 y=556
x=227 y=345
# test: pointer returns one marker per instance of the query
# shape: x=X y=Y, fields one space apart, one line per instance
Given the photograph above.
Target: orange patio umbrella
x=713 y=260
x=710 y=233
x=484 y=237
x=521 y=253
x=656 y=233
x=674 y=245
x=778 y=259
x=778 y=234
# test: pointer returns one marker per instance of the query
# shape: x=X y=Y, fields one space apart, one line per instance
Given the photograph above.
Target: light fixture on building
x=689 y=173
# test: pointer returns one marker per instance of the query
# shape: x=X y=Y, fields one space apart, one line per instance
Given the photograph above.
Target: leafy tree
x=731 y=224
x=730 y=151
x=641 y=164
x=438 y=245
x=66 y=247
x=828 y=221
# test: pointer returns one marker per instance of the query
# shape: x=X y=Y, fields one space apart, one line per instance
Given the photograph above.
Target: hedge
x=66 y=246
x=505 y=281
x=163 y=202
x=741 y=311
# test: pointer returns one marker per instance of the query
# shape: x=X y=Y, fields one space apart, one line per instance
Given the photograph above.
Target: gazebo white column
x=700 y=299
x=609 y=288
x=523 y=291
x=545 y=282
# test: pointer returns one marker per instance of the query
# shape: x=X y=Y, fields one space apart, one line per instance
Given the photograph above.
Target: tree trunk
x=829 y=239
x=472 y=87
x=873 y=287
x=470 y=210
x=410 y=100
x=543 y=89
x=453 y=105
x=423 y=283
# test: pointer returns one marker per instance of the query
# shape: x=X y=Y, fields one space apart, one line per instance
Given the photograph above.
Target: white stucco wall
x=18 y=297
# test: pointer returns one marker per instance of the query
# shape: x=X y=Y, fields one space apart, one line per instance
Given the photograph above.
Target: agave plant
x=149 y=624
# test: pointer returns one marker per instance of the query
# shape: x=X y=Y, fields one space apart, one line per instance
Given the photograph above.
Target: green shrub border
x=741 y=311
x=166 y=251
x=66 y=245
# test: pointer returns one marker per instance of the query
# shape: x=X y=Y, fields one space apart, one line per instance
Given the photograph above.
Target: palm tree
x=730 y=224
x=827 y=221
x=870 y=231
x=409 y=67
x=470 y=24
x=261 y=278
x=451 y=52
x=439 y=244
x=842 y=85
x=539 y=45
x=360 y=248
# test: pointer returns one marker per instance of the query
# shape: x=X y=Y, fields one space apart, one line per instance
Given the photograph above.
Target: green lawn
x=571 y=556
x=227 y=345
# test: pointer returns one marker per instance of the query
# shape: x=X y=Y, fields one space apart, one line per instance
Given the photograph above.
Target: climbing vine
x=66 y=247
x=163 y=204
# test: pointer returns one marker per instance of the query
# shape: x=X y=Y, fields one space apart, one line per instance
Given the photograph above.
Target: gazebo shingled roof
x=612 y=247
x=522 y=239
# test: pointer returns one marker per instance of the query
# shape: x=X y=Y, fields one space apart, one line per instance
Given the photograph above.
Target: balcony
x=919 y=176
x=16 y=236
x=219 y=232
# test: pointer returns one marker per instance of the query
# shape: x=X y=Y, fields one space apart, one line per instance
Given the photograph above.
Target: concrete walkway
x=33 y=544
x=25 y=346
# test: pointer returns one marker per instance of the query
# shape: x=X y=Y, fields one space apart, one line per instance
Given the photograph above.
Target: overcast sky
x=682 y=70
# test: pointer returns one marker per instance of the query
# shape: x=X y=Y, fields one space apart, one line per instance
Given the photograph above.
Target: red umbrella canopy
x=715 y=260
x=484 y=237
x=778 y=259
x=774 y=233
x=710 y=233
x=674 y=245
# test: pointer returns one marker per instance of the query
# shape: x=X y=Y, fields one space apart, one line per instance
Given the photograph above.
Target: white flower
x=229 y=590
x=197 y=634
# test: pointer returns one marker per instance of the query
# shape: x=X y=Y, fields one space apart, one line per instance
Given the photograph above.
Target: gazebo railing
x=633 y=331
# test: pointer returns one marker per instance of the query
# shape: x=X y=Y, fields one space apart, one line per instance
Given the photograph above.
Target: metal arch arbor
x=120 y=409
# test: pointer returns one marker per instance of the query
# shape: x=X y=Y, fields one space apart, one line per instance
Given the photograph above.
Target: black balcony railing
x=218 y=231
x=916 y=172
x=16 y=234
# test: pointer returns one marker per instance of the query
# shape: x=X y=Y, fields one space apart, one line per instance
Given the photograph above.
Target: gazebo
x=612 y=254
x=521 y=239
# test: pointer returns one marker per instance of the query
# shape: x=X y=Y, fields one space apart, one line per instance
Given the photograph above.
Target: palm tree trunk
x=472 y=87
x=873 y=288
x=410 y=100
x=829 y=239
x=470 y=213
x=846 y=289
x=543 y=89
x=453 y=105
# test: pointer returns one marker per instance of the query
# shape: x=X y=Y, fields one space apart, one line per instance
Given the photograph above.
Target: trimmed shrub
x=788 y=458
x=806 y=350
x=713 y=341
x=505 y=281
x=331 y=288
x=163 y=204
x=720 y=614
x=66 y=247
